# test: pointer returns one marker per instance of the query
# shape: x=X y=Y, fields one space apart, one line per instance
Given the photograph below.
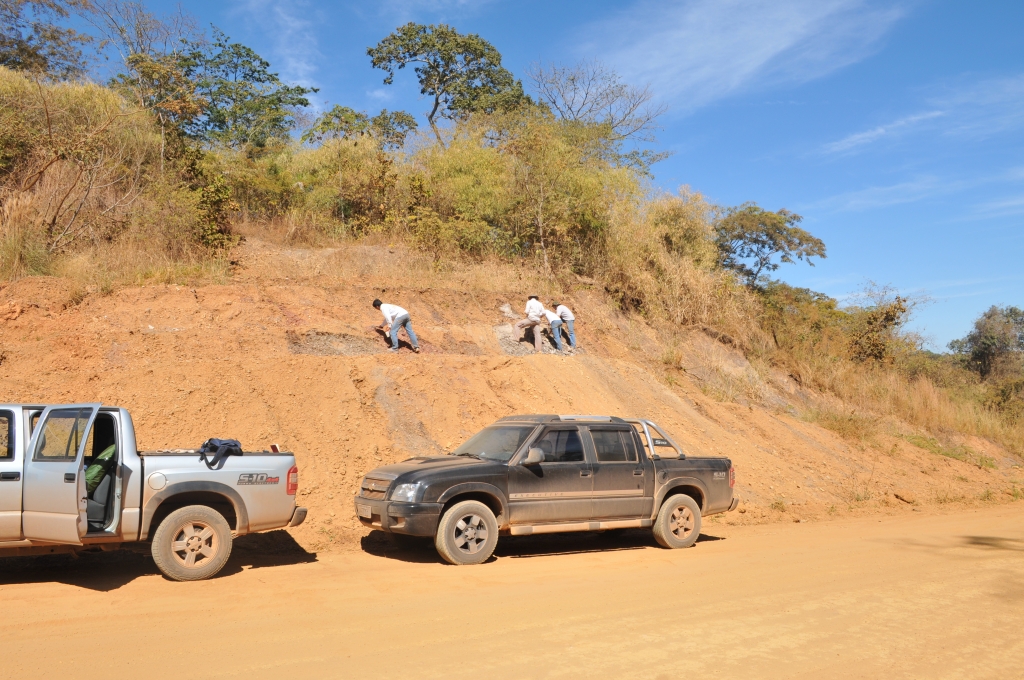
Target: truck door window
x=614 y=446
x=561 y=446
x=6 y=435
x=62 y=435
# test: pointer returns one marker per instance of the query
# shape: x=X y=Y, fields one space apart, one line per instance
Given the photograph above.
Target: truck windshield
x=495 y=443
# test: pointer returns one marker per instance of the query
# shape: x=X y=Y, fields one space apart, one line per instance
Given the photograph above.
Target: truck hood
x=427 y=464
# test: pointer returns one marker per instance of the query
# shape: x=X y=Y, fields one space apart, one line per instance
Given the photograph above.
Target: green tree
x=246 y=104
x=461 y=74
x=388 y=128
x=159 y=83
x=31 y=39
x=750 y=238
x=995 y=344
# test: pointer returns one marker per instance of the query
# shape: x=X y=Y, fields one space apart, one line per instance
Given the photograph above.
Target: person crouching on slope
x=394 y=318
x=567 y=318
x=534 y=313
x=556 y=327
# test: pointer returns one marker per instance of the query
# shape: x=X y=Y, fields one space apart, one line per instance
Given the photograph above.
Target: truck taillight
x=293 y=481
x=732 y=476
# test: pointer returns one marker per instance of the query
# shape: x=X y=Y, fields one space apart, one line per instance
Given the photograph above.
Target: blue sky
x=895 y=129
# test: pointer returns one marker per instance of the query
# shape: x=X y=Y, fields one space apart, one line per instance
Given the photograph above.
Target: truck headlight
x=409 y=493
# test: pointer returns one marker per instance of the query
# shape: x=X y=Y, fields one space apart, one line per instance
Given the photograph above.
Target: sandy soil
x=285 y=351
x=919 y=596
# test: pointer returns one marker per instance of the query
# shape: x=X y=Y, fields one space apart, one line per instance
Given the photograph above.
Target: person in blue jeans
x=556 y=327
x=567 y=319
x=394 y=318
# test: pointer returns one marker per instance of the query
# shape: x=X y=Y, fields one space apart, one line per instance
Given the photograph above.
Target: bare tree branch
x=590 y=92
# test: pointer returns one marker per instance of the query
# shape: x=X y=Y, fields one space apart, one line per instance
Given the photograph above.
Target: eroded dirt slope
x=285 y=351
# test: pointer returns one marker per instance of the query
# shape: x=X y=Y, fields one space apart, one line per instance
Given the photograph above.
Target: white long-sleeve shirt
x=534 y=310
x=564 y=314
x=391 y=312
x=552 y=317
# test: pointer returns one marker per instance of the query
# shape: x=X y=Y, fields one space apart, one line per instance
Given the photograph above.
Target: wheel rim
x=194 y=545
x=470 y=534
x=681 y=523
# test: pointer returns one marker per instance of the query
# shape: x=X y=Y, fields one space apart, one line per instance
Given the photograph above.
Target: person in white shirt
x=556 y=327
x=394 y=318
x=567 y=320
x=534 y=313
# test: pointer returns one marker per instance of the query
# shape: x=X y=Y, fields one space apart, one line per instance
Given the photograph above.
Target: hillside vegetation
x=158 y=175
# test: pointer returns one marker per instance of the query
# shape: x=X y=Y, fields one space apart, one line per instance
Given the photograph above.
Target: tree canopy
x=32 y=40
x=750 y=238
x=388 y=128
x=461 y=74
x=246 y=104
x=590 y=94
x=996 y=342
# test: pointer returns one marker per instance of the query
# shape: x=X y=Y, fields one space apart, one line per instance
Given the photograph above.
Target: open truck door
x=55 y=502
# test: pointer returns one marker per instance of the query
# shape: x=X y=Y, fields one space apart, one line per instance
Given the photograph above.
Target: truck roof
x=553 y=418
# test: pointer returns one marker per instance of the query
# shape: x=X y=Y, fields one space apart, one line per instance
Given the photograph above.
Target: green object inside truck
x=99 y=468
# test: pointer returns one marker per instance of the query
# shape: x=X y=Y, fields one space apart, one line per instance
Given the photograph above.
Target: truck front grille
x=376 y=489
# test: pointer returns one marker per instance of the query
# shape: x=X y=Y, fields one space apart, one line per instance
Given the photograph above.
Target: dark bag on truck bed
x=220 y=449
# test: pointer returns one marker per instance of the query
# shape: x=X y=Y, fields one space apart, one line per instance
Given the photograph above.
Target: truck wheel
x=467 y=533
x=678 y=523
x=192 y=543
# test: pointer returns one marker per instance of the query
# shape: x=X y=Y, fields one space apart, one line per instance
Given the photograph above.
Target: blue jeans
x=556 y=330
x=572 y=334
x=398 y=323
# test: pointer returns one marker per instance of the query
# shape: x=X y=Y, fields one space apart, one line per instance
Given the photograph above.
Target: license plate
x=363 y=511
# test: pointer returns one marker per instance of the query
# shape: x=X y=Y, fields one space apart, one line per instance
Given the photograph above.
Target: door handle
x=639 y=472
x=10 y=476
x=586 y=473
x=69 y=477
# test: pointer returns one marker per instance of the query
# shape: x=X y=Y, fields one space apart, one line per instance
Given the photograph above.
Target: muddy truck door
x=55 y=501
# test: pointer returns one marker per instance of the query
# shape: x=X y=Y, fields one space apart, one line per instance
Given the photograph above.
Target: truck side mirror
x=533 y=456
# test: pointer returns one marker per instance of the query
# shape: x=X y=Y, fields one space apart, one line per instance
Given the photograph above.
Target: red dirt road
x=911 y=597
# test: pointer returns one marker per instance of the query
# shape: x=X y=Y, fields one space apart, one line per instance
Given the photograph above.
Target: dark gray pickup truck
x=535 y=474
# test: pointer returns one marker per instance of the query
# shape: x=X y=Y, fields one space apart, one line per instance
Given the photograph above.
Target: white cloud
x=880 y=197
x=897 y=126
x=380 y=95
x=985 y=107
x=697 y=51
x=407 y=10
x=1004 y=207
x=977 y=110
x=436 y=4
x=296 y=52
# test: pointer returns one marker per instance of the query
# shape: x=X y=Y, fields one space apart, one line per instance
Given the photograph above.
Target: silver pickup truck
x=72 y=478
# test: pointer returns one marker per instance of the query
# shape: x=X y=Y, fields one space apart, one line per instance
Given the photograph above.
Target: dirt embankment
x=285 y=351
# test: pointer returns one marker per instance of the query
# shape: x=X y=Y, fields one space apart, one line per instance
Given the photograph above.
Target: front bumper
x=413 y=519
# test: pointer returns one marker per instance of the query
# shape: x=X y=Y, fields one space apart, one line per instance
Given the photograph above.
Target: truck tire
x=467 y=533
x=678 y=523
x=192 y=543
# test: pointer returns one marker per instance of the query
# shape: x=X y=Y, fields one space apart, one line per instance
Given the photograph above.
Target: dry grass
x=645 y=274
x=957 y=452
x=845 y=421
x=885 y=392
